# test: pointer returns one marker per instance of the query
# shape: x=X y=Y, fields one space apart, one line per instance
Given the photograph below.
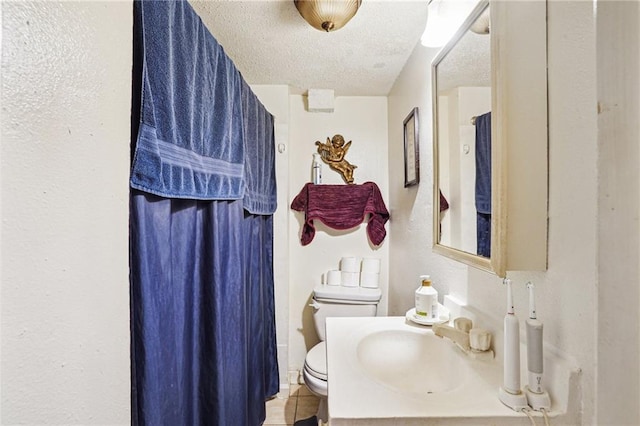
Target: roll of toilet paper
x=369 y=279
x=371 y=264
x=333 y=277
x=349 y=264
x=350 y=279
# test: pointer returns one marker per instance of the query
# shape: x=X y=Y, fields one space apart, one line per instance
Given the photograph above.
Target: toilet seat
x=317 y=386
x=316 y=361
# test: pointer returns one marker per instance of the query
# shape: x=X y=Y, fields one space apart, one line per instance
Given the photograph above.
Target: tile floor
x=284 y=411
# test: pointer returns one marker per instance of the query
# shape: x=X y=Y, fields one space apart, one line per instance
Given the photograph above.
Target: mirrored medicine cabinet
x=490 y=138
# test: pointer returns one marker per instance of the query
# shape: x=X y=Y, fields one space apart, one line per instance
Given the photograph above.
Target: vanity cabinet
x=509 y=80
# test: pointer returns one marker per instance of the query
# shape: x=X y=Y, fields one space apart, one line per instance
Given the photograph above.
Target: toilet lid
x=316 y=361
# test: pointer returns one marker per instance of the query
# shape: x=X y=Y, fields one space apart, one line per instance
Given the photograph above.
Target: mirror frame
x=520 y=139
x=471 y=259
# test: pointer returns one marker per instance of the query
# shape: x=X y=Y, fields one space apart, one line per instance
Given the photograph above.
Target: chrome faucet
x=472 y=341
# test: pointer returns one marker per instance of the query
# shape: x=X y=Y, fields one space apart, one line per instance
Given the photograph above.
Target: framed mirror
x=490 y=139
x=462 y=104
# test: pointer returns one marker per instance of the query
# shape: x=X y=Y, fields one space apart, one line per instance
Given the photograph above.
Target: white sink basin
x=390 y=357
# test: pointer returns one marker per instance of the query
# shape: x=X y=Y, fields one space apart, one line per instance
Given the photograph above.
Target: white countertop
x=358 y=397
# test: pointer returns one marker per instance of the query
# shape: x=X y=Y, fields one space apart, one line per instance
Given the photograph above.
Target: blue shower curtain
x=203 y=351
x=203 y=194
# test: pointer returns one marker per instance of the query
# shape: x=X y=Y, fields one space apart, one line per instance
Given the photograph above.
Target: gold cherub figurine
x=333 y=152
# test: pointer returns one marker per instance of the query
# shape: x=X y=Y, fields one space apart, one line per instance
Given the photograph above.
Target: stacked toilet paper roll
x=370 y=273
x=333 y=277
x=350 y=271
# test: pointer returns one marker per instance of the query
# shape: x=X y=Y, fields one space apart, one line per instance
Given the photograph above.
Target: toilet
x=333 y=301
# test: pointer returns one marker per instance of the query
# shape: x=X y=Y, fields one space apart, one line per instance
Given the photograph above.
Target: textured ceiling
x=467 y=64
x=270 y=43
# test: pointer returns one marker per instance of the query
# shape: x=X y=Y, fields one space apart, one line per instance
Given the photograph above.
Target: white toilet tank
x=338 y=301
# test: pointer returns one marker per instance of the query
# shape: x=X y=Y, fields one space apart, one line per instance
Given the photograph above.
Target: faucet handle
x=479 y=339
x=463 y=324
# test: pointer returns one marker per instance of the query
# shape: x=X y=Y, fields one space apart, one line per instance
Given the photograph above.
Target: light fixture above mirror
x=327 y=15
x=443 y=20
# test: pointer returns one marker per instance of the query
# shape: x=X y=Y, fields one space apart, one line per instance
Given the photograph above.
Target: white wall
x=618 y=352
x=362 y=120
x=66 y=73
x=569 y=301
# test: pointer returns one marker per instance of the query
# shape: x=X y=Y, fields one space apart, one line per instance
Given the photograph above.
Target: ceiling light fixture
x=327 y=15
x=482 y=25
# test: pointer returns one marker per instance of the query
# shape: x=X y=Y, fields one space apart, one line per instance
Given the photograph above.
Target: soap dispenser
x=427 y=299
x=316 y=169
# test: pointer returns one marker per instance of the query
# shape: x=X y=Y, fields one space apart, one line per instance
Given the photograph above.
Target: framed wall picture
x=411 y=150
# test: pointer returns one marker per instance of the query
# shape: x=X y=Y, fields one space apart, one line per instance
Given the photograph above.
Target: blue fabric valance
x=196 y=114
x=259 y=159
